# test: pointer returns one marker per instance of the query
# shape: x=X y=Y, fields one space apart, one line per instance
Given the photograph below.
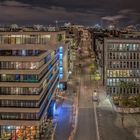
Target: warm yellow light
x=3 y=75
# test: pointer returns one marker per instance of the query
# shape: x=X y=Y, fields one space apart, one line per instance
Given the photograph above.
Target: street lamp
x=70 y=72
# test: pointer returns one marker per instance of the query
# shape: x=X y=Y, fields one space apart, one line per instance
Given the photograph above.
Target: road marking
x=66 y=106
x=54 y=130
x=96 y=122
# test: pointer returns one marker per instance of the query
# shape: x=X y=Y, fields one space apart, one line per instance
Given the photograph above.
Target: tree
x=59 y=37
x=138 y=100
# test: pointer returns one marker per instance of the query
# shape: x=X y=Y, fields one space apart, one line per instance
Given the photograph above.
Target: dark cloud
x=113 y=18
x=13 y=4
x=79 y=11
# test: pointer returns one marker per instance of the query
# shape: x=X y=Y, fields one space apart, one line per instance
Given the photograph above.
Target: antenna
x=56 y=23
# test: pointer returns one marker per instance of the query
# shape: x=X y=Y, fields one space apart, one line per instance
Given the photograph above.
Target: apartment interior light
x=3 y=75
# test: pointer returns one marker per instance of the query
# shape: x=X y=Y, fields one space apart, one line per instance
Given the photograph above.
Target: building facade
x=29 y=75
x=122 y=66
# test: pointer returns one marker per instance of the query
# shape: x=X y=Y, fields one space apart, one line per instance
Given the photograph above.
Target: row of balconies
x=24 y=109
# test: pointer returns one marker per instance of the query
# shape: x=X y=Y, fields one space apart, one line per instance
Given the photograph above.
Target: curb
x=53 y=134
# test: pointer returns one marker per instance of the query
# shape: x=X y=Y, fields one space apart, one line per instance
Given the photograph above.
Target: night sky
x=87 y=12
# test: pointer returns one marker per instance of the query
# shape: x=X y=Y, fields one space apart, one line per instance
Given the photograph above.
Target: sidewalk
x=63 y=118
x=66 y=112
x=130 y=122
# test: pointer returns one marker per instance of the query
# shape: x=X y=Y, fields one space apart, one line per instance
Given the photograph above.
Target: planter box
x=126 y=109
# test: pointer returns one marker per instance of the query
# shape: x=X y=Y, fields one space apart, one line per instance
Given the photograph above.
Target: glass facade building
x=122 y=66
x=29 y=76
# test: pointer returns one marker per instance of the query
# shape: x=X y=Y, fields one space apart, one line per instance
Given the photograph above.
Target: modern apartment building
x=122 y=66
x=30 y=70
x=99 y=55
x=72 y=39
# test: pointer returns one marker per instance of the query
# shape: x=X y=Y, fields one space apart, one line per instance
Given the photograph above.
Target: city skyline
x=80 y=12
x=69 y=70
x=69 y=82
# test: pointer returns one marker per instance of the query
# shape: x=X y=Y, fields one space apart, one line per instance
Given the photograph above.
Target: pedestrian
x=98 y=102
x=122 y=119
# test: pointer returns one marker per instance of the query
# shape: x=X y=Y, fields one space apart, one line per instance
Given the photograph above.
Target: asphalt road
x=86 y=125
x=86 y=128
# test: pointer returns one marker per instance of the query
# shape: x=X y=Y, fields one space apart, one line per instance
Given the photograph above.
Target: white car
x=95 y=97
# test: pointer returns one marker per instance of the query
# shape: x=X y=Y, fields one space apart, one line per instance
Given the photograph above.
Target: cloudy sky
x=87 y=12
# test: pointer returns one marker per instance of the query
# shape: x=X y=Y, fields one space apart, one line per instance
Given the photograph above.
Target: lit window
x=61 y=56
x=23 y=52
x=61 y=49
x=60 y=76
x=61 y=70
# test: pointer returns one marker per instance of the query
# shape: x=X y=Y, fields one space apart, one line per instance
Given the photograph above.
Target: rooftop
x=34 y=28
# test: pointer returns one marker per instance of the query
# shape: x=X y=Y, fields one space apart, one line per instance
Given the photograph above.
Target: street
x=86 y=123
x=96 y=121
x=86 y=129
x=109 y=122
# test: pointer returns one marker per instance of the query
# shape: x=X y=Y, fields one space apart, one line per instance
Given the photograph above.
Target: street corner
x=137 y=132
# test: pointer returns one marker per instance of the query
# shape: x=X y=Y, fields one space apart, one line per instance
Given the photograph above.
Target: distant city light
x=97 y=26
x=111 y=27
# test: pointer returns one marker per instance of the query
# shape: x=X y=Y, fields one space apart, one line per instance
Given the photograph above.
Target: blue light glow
x=60 y=69
x=60 y=76
x=60 y=63
x=9 y=127
x=60 y=56
x=61 y=86
x=61 y=49
x=54 y=108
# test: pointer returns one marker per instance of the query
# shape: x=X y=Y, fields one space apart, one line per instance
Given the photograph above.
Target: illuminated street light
x=70 y=72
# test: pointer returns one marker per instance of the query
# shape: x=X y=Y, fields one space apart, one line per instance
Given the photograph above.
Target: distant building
x=31 y=66
x=72 y=39
x=98 y=48
x=99 y=51
x=129 y=35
